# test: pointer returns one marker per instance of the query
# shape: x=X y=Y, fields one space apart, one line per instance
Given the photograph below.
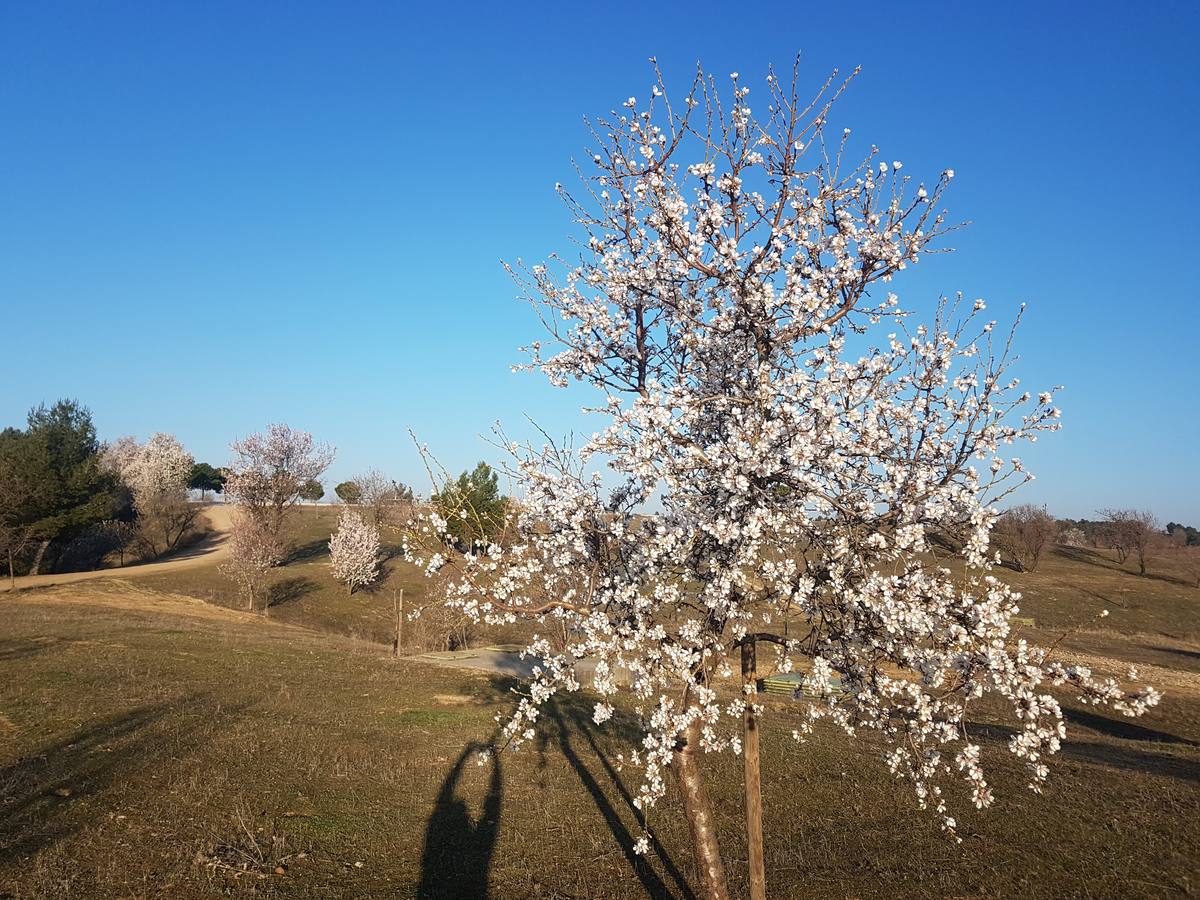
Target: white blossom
x=354 y=551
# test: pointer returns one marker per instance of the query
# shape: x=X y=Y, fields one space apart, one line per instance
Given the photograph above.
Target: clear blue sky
x=219 y=215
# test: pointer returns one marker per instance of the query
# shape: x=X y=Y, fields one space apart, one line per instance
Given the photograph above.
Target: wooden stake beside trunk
x=753 y=776
x=398 y=606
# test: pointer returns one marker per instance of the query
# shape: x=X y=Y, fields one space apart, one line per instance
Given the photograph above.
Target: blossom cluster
x=160 y=468
x=354 y=551
x=269 y=468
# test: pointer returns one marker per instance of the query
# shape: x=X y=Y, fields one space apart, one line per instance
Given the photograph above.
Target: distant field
x=1066 y=594
x=306 y=594
x=153 y=745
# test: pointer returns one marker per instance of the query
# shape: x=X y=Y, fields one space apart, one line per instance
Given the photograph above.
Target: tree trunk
x=12 y=578
x=37 y=559
x=698 y=809
x=753 y=777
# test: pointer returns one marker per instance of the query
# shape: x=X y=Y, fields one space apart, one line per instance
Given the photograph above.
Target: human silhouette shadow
x=458 y=850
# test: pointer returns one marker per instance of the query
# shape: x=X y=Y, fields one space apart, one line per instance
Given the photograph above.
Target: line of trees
x=1024 y=533
x=69 y=502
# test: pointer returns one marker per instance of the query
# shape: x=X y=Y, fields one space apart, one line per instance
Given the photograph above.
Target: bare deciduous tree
x=387 y=499
x=1188 y=560
x=1023 y=534
x=1131 y=531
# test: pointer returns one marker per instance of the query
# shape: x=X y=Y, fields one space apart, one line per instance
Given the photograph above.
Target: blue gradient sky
x=220 y=215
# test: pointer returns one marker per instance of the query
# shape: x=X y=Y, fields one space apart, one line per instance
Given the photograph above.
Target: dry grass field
x=157 y=742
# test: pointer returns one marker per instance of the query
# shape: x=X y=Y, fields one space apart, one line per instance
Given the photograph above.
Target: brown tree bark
x=37 y=559
x=753 y=778
x=698 y=809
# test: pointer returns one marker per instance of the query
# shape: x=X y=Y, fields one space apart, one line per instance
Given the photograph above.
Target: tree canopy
x=472 y=505
x=57 y=458
x=312 y=491
x=206 y=478
x=348 y=492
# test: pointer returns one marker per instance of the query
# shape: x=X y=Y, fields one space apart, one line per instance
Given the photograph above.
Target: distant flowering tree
x=156 y=475
x=269 y=471
x=1073 y=536
x=120 y=456
x=253 y=551
x=161 y=466
x=354 y=551
x=788 y=443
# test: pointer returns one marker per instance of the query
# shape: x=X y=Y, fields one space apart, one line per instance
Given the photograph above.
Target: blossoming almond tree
x=156 y=474
x=354 y=551
x=253 y=551
x=789 y=444
x=270 y=469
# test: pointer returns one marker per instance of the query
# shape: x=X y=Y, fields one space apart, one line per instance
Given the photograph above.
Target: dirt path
x=212 y=549
x=495 y=661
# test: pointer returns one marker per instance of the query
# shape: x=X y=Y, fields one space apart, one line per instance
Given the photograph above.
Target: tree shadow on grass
x=289 y=590
x=14 y=649
x=1124 y=728
x=391 y=551
x=1092 y=557
x=567 y=723
x=308 y=552
x=571 y=719
x=39 y=794
x=1189 y=655
x=1110 y=756
x=457 y=855
x=1088 y=556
